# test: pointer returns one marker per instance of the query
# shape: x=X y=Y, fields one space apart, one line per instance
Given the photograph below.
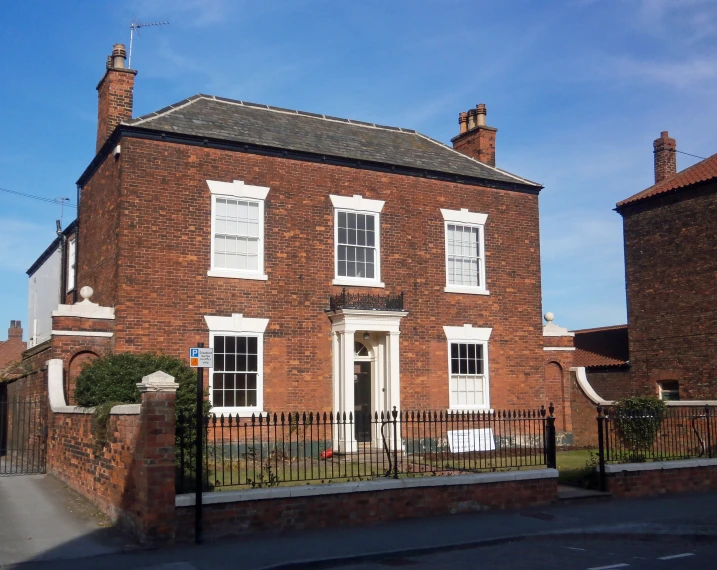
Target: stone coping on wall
x=217 y=497
x=121 y=410
x=658 y=465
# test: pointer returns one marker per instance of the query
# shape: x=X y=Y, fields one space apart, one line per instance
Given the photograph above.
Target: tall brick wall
x=670 y=266
x=160 y=242
x=104 y=475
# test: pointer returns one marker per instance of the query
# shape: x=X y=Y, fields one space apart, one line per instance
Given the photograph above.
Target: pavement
x=685 y=519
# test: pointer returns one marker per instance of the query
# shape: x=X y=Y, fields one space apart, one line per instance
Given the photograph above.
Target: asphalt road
x=563 y=554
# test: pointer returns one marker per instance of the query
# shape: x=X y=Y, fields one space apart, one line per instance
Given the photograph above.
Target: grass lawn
x=576 y=466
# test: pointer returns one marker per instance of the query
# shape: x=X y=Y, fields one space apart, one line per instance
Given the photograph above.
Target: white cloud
x=689 y=73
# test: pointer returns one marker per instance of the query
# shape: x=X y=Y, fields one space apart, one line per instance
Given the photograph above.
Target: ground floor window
x=669 y=390
x=236 y=371
x=236 y=381
x=468 y=379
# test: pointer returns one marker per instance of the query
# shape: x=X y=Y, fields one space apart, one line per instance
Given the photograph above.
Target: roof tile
x=700 y=172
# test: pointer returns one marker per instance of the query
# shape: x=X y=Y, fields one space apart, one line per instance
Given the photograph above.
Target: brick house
x=11 y=349
x=332 y=264
x=671 y=266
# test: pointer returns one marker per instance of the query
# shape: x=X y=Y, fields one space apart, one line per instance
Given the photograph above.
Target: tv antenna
x=136 y=25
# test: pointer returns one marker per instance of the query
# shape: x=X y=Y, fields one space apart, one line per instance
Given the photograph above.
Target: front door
x=362 y=401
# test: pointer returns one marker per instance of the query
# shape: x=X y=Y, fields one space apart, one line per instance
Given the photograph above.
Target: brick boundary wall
x=102 y=475
x=350 y=504
x=131 y=478
x=659 y=478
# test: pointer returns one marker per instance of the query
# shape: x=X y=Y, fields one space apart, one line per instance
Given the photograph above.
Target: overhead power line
x=688 y=154
x=58 y=201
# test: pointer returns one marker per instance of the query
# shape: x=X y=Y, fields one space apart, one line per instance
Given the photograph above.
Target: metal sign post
x=199 y=358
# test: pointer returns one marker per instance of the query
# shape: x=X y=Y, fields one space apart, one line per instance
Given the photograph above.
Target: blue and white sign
x=201 y=357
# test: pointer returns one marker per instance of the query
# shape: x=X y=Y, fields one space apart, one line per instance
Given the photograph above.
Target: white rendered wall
x=43 y=297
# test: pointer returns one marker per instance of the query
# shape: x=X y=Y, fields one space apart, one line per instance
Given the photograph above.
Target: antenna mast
x=136 y=25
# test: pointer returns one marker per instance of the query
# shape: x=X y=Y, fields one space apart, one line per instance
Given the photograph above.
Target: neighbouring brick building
x=671 y=267
x=11 y=349
x=332 y=264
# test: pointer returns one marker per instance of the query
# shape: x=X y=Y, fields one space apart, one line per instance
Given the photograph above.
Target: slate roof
x=700 y=172
x=605 y=346
x=241 y=122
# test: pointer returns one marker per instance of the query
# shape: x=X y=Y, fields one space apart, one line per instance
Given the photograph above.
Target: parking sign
x=201 y=357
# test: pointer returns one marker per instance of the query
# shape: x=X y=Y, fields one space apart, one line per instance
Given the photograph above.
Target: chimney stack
x=115 y=93
x=15 y=330
x=665 y=157
x=475 y=139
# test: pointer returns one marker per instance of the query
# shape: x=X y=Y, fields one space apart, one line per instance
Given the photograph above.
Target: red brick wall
x=351 y=509
x=661 y=481
x=161 y=250
x=98 y=241
x=104 y=475
x=671 y=263
x=584 y=416
x=610 y=383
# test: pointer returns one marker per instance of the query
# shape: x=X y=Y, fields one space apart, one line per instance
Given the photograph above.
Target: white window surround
x=471 y=335
x=358 y=204
x=71 y=263
x=472 y=219
x=238 y=190
x=238 y=325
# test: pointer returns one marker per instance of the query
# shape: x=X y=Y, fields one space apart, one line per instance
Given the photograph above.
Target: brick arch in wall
x=78 y=360
x=555 y=391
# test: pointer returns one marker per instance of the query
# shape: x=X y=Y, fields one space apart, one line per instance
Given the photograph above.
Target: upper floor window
x=465 y=251
x=237 y=230
x=71 y=262
x=357 y=249
x=468 y=380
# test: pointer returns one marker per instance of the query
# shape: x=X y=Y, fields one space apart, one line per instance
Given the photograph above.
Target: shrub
x=112 y=380
x=638 y=422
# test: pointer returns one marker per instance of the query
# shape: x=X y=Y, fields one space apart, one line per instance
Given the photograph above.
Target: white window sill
x=349 y=282
x=465 y=289
x=468 y=410
x=243 y=412
x=229 y=274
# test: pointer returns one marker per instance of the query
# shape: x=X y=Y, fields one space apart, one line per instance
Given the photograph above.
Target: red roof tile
x=700 y=172
x=605 y=346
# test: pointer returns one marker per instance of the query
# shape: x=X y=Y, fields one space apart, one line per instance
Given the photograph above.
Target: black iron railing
x=346 y=300
x=300 y=448
x=23 y=436
x=684 y=432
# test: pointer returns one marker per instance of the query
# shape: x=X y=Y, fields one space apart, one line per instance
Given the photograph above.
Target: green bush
x=112 y=380
x=638 y=422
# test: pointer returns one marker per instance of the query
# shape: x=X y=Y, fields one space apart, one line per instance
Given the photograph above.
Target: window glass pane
x=252 y=363
x=370 y=274
x=370 y=223
x=218 y=344
x=218 y=398
x=229 y=343
x=342 y=235
x=351 y=221
x=342 y=219
x=463 y=251
x=218 y=381
x=252 y=344
x=251 y=398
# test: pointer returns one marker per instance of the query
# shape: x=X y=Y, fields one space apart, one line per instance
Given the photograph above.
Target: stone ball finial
x=549 y=317
x=86 y=292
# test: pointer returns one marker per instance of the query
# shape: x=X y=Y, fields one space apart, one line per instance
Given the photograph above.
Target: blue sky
x=578 y=90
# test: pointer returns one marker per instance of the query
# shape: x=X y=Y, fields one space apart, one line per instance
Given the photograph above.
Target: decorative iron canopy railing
x=366 y=301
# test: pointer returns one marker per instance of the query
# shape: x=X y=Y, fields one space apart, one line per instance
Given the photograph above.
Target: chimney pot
x=463 y=122
x=665 y=157
x=15 y=330
x=471 y=119
x=481 y=113
x=119 y=54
